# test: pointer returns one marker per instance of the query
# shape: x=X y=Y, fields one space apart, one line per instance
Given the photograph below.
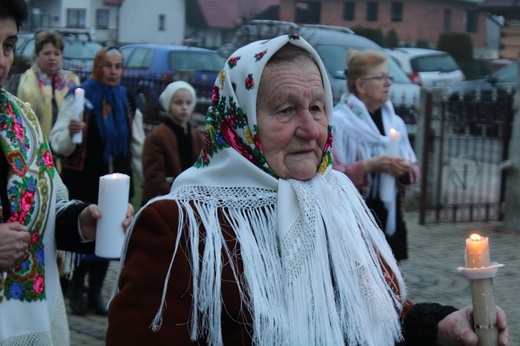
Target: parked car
x=428 y=67
x=78 y=52
x=478 y=103
x=149 y=68
x=332 y=44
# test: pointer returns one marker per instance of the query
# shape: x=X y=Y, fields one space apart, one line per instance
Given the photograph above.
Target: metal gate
x=465 y=144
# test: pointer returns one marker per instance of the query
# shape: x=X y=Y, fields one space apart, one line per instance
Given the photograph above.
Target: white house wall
x=139 y=21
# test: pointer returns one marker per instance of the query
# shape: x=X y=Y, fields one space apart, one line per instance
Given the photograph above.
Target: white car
x=428 y=67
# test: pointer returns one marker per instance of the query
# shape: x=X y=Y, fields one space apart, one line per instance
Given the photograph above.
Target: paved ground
x=436 y=251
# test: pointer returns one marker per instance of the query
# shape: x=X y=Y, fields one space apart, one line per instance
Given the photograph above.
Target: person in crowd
x=105 y=148
x=371 y=144
x=261 y=241
x=44 y=87
x=45 y=84
x=36 y=216
x=173 y=146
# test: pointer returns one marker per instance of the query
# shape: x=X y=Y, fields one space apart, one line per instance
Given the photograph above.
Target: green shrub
x=458 y=44
x=421 y=43
x=391 y=39
x=375 y=35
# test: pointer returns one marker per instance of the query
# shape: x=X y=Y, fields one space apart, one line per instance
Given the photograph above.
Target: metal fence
x=465 y=143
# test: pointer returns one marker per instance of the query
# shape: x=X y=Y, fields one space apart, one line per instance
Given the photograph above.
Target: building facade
x=412 y=20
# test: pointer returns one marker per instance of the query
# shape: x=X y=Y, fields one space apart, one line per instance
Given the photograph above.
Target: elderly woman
x=173 y=146
x=106 y=148
x=261 y=242
x=363 y=123
x=45 y=84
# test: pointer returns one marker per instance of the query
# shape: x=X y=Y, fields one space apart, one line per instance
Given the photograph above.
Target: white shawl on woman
x=356 y=138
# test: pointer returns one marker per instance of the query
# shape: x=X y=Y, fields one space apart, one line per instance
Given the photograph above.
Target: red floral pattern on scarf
x=30 y=172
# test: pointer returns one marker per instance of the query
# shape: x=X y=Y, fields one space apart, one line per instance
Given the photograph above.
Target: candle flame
x=475 y=237
x=393 y=131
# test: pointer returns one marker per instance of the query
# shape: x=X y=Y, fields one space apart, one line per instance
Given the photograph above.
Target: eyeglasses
x=381 y=79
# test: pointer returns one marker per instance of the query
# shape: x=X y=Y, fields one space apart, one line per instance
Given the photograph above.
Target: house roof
x=230 y=13
x=500 y=5
x=113 y=2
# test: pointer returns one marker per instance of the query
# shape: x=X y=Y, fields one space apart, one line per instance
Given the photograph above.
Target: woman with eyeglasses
x=371 y=144
x=108 y=129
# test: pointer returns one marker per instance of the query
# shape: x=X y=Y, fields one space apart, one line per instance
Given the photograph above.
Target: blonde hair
x=360 y=63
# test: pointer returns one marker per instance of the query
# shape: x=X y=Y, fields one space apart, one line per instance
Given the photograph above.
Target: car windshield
x=434 y=63
x=334 y=56
x=80 y=50
x=193 y=60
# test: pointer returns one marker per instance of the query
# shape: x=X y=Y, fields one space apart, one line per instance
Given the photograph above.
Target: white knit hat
x=171 y=89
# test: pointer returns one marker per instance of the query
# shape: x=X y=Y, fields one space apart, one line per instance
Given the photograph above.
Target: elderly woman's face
x=112 y=69
x=49 y=59
x=292 y=123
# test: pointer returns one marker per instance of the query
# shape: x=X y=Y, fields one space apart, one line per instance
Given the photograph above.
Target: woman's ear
x=360 y=86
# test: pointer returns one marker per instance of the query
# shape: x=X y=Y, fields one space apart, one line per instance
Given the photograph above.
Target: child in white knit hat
x=172 y=146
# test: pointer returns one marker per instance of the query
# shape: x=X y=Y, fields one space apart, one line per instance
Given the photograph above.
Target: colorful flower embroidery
x=29 y=179
x=250 y=82
x=232 y=62
x=260 y=55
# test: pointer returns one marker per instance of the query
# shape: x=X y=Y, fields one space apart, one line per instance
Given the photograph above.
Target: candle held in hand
x=113 y=203
x=477 y=251
x=393 y=144
x=79 y=105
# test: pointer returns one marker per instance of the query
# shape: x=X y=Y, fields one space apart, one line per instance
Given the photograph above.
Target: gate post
x=511 y=206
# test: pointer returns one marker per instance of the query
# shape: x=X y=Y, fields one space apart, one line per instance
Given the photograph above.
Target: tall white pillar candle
x=393 y=144
x=113 y=198
x=482 y=294
x=79 y=106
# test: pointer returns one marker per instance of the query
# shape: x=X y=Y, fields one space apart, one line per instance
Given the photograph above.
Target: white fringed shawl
x=310 y=255
x=356 y=137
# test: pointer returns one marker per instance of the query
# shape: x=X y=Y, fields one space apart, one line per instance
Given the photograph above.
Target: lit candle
x=484 y=308
x=477 y=251
x=393 y=144
x=79 y=106
x=113 y=203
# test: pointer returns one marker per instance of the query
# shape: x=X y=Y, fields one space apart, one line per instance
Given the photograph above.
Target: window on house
x=308 y=12
x=447 y=19
x=76 y=17
x=102 y=19
x=471 y=20
x=45 y=20
x=372 y=11
x=397 y=12
x=162 y=22
x=348 y=10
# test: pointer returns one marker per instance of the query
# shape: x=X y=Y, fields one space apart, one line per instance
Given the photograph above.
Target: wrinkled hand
x=456 y=329
x=76 y=126
x=14 y=241
x=88 y=220
x=395 y=166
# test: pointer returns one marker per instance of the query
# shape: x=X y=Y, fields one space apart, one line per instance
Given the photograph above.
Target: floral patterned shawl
x=30 y=303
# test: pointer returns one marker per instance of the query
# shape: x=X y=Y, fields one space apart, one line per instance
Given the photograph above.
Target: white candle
x=393 y=144
x=113 y=203
x=477 y=251
x=484 y=308
x=79 y=106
